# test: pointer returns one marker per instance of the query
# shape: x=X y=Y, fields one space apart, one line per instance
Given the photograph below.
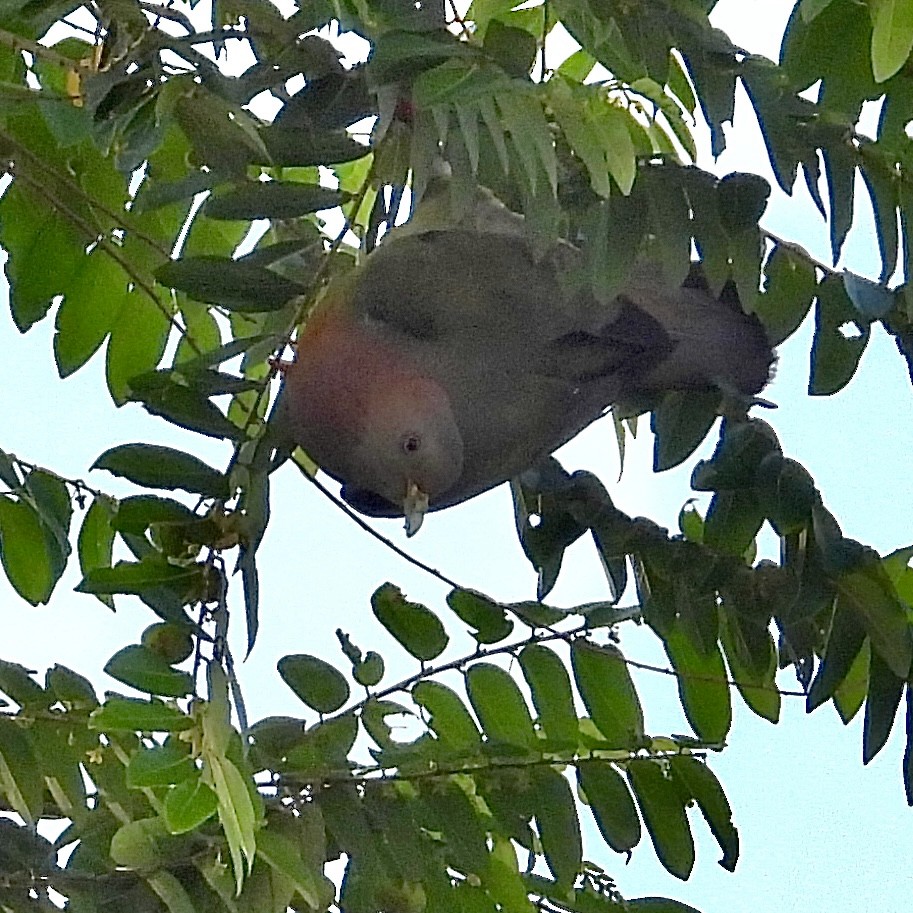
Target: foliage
x=141 y=169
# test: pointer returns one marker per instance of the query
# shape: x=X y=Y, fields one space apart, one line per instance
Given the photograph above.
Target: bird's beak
x=415 y=505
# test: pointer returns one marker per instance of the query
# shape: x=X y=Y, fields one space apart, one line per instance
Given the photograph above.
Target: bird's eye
x=411 y=443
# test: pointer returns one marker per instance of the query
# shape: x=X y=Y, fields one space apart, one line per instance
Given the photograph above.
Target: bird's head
x=410 y=450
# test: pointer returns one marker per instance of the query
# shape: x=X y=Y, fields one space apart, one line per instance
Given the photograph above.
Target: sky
x=818 y=830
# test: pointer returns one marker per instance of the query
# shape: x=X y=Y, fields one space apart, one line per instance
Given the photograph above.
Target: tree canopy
x=196 y=174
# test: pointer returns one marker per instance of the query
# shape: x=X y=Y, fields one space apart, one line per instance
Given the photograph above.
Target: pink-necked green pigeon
x=453 y=359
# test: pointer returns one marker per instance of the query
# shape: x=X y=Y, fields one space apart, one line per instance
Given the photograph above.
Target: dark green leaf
x=137 y=513
x=611 y=803
x=21 y=771
x=147 y=671
x=17 y=683
x=885 y=690
x=487 y=617
x=320 y=685
x=154 y=466
x=844 y=642
x=788 y=293
x=415 y=627
x=839 y=341
x=233 y=284
x=702 y=684
x=188 y=805
x=272 y=200
x=30 y=556
x=96 y=539
x=680 y=422
x=138 y=715
x=663 y=809
x=700 y=782
x=558 y=826
x=733 y=520
x=449 y=718
x=163 y=765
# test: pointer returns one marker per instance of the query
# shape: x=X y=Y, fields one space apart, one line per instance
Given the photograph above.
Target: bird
x=455 y=356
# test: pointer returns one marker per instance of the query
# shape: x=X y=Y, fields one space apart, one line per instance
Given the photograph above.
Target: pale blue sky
x=819 y=831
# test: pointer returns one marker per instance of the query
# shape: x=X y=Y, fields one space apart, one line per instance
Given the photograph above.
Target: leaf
x=286 y=857
x=138 y=715
x=892 y=36
x=702 y=684
x=487 y=617
x=789 y=291
x=844 y=642
x=272 y=200
x=236 y=812
x=137 y=341
x=95 y=544
x=885 y=691
x=552 y=696
x=320 y=685
x=136 y=844
x=608 y=693
x=558 y=826
x=16 y=682
x=663 y=810
x=449 y=718
x=416 y=628
x=145 y=670
x=839 y=339
x=500 y=706
x=233 y=284
x=868 y=592
x=733 y=521
x=154 y=466
x=21 y=771
x=610 y=801
x=704 y=787
x=680 y=422
x=27 y=551
x=162 y=765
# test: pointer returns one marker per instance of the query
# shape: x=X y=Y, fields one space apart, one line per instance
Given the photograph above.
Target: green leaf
x=733 y=521
x=487 y=617
x=286 y=857
x=449 y=810
x=138 y=715
x=153 y=466
x=704 y=787
x=513 y=49
x=137 y=513
x=21 y=771
x=138 y=844
x=558 y=825
x=663 y=809
x=233 y=284
x=448 y=718
x=320 y=685
x=552 y=696
x=839 y=341
x=145 y=670
x=162 y=765
x=892 y=36
x=868 y=592
x=170 y=584
x=500 y=706
x=95 y=544
x=789 y=291
x=844 y=642
x=608 y=693
x=28 y=552
x=73 y=690
x=415 y=627
x=610 y=801
x=702 y=684
x=17 y=683
x=272 y=200
x=885 y=690
x=680 y=422
x=752 y=659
